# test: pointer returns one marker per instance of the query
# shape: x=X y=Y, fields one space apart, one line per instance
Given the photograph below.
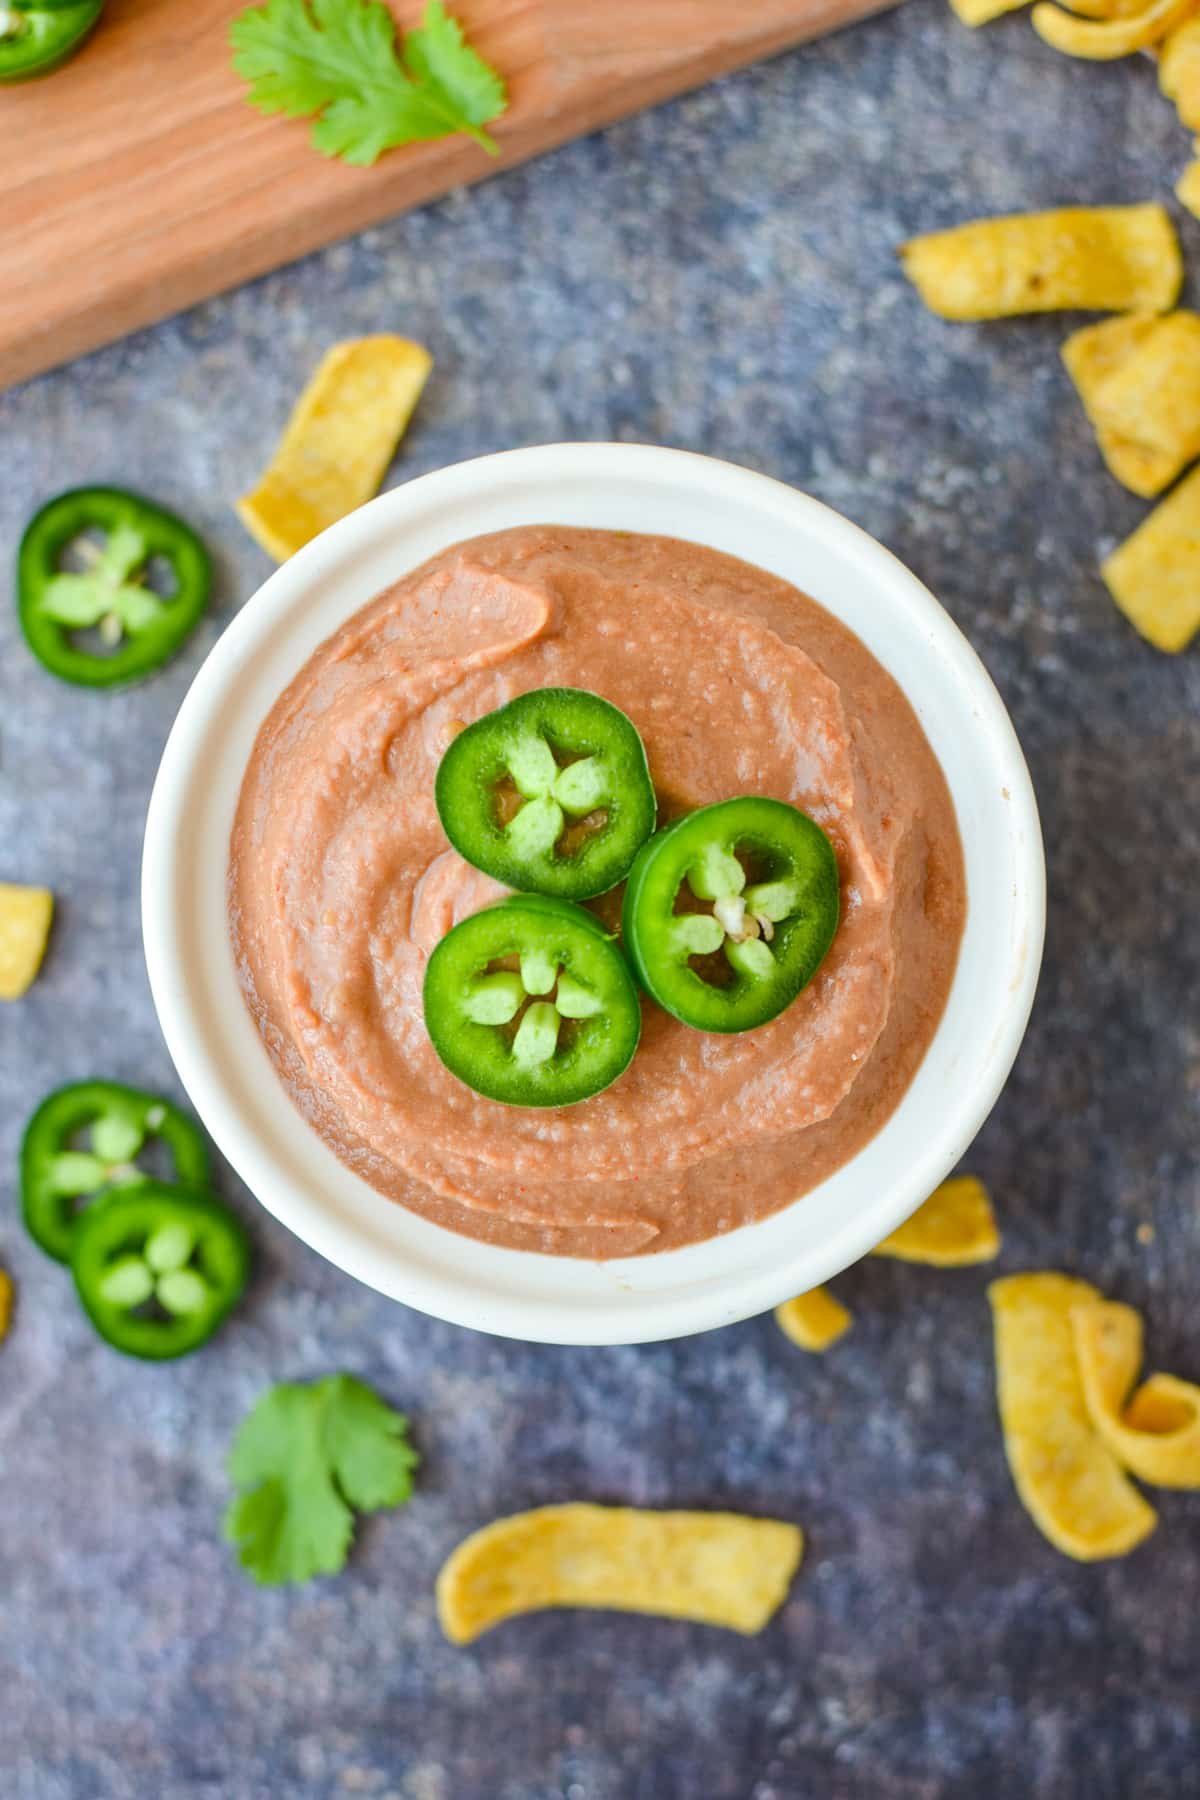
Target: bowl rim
x=294 y=1174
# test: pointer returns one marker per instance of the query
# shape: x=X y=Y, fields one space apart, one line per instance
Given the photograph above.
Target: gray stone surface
x=719 y=275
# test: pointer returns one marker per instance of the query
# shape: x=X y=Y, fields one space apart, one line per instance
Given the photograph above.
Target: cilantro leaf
x=368 y=1446
x=456 y=79
x=307 y=1456
x=337 y=61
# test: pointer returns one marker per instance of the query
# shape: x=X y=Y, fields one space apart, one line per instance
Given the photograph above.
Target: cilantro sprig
x=307 y=1456
x=338 y=62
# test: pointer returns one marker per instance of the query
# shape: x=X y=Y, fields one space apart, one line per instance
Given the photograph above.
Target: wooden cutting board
x=138 y=181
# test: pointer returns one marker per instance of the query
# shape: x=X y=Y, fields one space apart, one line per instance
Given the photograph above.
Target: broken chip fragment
x=1070 y=1482
x=1154 y=576
x=814 y=1320
x=1139 y=380
x=955 y=1228
x=714 y=1568
x=338 y=442
x=1153 y=1432
x=25 y=917
x=1096 y=259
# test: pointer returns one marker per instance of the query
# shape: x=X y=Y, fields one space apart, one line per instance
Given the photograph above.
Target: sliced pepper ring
x=139 y=629
x=59 y=1179
x=531 y=1003
x=549 y=794
x=157 y=1268
x=38 y=36
x=720 y=948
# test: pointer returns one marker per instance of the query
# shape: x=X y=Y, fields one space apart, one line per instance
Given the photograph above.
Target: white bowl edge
x=224 y=1066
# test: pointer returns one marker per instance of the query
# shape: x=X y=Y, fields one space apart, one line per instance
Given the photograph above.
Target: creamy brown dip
x=341 y=882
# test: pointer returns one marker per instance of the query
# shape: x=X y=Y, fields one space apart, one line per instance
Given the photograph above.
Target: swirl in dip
x=341 y=882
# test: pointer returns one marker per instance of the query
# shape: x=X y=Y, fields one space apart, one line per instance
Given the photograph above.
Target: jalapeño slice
x=531 y=1002
x=37 y=36
x=158 y=1268
x=550 y=794
x=730 y=911
x=84 y=565
x=84 y=1140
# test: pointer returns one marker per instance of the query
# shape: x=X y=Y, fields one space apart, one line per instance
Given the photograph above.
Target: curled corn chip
x=1103 y=40
x=716 y=1568
x=25 y=915
x=1154 y=576
x=1187 y=188
x=1157 y=1435
x=1105 y=9
x=1069 y=1480
x=338 y=442
x=954 y=1228
x=6 y=1303
x=1139 y=380
x=1099 y=259
x=1179 y=72
x=814 y=1320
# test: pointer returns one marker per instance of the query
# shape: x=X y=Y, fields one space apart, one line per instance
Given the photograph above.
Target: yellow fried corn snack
x=1105 y=9
x=955 y=1227
x=1098 y=259
x=1104 y=40
x=338 y=442
x=1179 y=72
x=1154 y=576
x=25 y=915
x=1139 y=380
x=982 y=12
x=1069 y=1480
x=814 y=1320
x=1157 y=1435
x=716 y=1568
x=1187 y=188
x=6 y=1303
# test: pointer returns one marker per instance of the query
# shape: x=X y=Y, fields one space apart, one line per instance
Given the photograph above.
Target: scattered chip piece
x=1157 y=1434
x=1105 y=9
x=955 y=1228
x=1098 y=259
x=25 y=915
x=1068 y=1479
x=1104 y=40
x=715 y=1568
x=814 y=1320
x=1154 y=576
x=982 y=12
x=1187 y=188
x=1179 y=72
x=6 y=1303
x=1139 y=380
x=1098 y=351
x=338 y=442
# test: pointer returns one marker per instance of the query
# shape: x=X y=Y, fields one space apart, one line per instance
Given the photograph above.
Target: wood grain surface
x=139 y=181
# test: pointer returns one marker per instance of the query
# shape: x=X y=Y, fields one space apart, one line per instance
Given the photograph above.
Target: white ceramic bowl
x=222 y=1061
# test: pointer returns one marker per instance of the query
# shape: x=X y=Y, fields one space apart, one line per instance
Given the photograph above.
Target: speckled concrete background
x=718 y=275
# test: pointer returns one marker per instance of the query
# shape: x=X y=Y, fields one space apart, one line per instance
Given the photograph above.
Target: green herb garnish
x=338 y=62
x=306 y=1456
